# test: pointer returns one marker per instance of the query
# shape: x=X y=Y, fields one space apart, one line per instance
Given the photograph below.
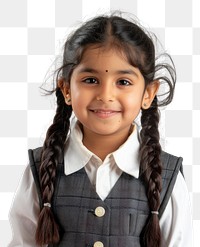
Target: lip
x=105 y=113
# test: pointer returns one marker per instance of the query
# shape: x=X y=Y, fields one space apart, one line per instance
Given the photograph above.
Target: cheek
x=133 y=101
x=75 y=93
x=79 y=101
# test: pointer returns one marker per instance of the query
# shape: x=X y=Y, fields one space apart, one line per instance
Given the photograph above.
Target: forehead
x=104 y=58
x=101 y=60
x=103 y=50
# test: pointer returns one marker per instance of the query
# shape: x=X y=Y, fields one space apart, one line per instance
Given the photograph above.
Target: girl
x=98 y=181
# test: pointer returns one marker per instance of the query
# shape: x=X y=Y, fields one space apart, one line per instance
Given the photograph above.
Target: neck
x=102 y=145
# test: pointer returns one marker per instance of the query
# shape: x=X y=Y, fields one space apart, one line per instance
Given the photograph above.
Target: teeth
x=99 y=111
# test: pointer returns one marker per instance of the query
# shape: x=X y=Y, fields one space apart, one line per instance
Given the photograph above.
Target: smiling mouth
x=105 y=113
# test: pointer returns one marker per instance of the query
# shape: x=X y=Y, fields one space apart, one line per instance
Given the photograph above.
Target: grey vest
x=86 y=221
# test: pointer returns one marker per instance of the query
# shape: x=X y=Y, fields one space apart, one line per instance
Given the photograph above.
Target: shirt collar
x=126 y=156
x=76 y=155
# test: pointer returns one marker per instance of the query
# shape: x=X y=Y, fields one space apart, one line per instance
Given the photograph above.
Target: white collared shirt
x=102 y=174
x=176 y=222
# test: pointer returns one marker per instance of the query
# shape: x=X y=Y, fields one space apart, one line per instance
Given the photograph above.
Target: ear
x=149 y=94
x=65 y=89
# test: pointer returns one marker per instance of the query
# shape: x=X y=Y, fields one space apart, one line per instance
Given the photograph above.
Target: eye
x=124 y=82
x=90 y=80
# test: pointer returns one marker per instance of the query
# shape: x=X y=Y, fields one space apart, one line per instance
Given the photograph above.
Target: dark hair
x=138 y=46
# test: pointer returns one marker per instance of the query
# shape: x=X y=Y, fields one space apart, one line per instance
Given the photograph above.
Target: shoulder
x=34 y=162
x=171 y=166
x=177 y=216
x=167 y=156
x=171 y=162
x=35 y=155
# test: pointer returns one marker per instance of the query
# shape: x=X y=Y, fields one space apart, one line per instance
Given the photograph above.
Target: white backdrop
x=33 y=31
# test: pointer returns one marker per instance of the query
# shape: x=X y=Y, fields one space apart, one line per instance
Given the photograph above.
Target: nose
x=106 y=93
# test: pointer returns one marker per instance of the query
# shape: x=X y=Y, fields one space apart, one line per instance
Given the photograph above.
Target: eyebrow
x=86 y=69
x=126 y=71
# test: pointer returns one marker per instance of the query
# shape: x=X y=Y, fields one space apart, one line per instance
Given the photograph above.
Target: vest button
x=99 y=212
x=98 y=244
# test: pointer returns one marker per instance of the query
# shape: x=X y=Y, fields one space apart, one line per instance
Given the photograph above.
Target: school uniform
x=104 y=204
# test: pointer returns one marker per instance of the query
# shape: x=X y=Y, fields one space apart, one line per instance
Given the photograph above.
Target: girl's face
x=106 y=92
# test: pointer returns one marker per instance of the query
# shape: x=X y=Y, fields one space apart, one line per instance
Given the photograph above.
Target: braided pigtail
x=47 y=229
x=151 y=169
